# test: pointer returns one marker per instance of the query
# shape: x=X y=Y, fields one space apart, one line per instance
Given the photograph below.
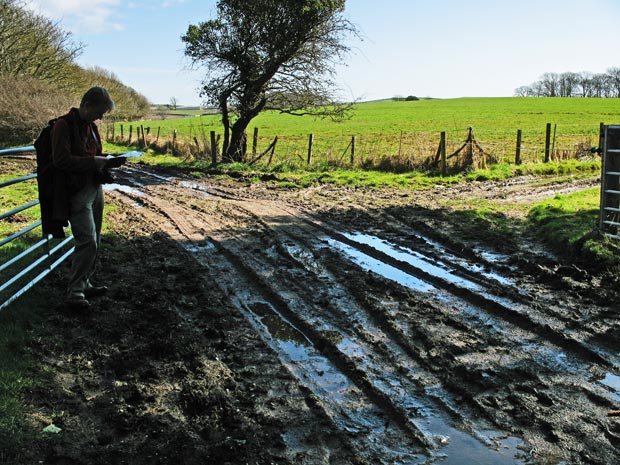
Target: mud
x=251 y=324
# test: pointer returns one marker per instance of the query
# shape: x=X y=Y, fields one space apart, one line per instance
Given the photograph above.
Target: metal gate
x=37 y=259
x=610 y=182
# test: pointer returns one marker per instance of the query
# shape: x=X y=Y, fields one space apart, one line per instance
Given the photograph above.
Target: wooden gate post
x=310 y=143
x=547 y=143
x=213 y=149
x=352 y=149
x=518 y=153
x=442 y=152
x=254 y=142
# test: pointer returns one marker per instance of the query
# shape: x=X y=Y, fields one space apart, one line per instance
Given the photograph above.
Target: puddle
x=158 y=176
x=122 y=188
x=414 y=259
x=193 y=185
x=612 y=381
x=490 y=257
x=458 y=448
x=611 y=384
x=198 y=247
x=349 y=409
x=452 y=445
x=371 y=264
x=300 y=351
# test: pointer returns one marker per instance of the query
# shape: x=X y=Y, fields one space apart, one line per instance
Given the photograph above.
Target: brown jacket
x=74 y=149
x=75 y=143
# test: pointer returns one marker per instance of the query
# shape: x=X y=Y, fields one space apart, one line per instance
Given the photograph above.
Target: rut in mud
x=416 y=351
x=354 y=328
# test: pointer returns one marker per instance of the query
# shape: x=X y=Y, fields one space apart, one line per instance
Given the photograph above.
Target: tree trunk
x=226 y=124
x=238 y=147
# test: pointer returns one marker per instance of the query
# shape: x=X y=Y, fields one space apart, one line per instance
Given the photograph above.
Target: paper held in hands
x=126 y=155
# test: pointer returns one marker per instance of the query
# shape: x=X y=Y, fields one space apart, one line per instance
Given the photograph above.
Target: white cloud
x=78 y=15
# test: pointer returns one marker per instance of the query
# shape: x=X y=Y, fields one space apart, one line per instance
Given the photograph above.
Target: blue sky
x=428 y=48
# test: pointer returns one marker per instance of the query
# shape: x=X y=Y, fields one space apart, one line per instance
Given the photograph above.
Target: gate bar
x=35 y=264
x=41 y=275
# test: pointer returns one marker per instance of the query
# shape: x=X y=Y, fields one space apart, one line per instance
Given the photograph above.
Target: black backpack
x=51 y=183
x=43 y=146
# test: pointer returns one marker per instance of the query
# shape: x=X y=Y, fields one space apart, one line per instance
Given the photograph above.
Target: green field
x=410 y=131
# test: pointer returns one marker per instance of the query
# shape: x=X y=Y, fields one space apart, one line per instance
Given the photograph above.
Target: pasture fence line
x=464 y=149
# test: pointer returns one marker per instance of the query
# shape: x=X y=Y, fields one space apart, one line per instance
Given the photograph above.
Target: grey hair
x=98 y=96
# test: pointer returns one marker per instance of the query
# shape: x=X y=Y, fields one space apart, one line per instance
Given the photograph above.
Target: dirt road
x=329 y=326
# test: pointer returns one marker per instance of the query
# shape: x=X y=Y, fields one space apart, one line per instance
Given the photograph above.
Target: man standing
x=77 y=153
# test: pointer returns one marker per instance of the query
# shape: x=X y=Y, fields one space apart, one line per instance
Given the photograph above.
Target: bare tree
x=599 y=85
x=568 y=84
x=173 y=103
x=614 y=81
x=550 y=84
x=269 y=54
x=538 y=89
x=585 y=83
x=524 y=91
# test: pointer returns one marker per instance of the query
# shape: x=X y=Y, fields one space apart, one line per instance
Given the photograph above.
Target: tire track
x=282 y=254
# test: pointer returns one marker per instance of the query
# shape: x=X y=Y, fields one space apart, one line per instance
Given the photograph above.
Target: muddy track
x=416 y=346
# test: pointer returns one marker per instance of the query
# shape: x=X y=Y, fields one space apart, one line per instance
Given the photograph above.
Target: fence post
x=310 y=143
x=174 y=142
x=130 y=134
x=213 y=149
x=442 y=152
x=157 y=139
x=601 y=142
x=122 y=135
x=518 y=154
x=254 y=142
x=547 y=142
x=352 y=149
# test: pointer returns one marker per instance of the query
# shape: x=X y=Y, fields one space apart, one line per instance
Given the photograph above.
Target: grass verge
x=568 y=223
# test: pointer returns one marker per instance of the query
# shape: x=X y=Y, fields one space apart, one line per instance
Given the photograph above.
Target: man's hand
x=101 y=163
x=115 y=162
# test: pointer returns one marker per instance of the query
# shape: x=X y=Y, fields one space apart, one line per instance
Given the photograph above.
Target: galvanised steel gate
x=610 y=182
x=38 y=259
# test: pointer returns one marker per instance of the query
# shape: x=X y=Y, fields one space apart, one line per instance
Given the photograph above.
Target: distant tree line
x=569 y=84
x=39 y=78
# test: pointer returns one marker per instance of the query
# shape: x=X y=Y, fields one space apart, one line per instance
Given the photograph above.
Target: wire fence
x=387 y=151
